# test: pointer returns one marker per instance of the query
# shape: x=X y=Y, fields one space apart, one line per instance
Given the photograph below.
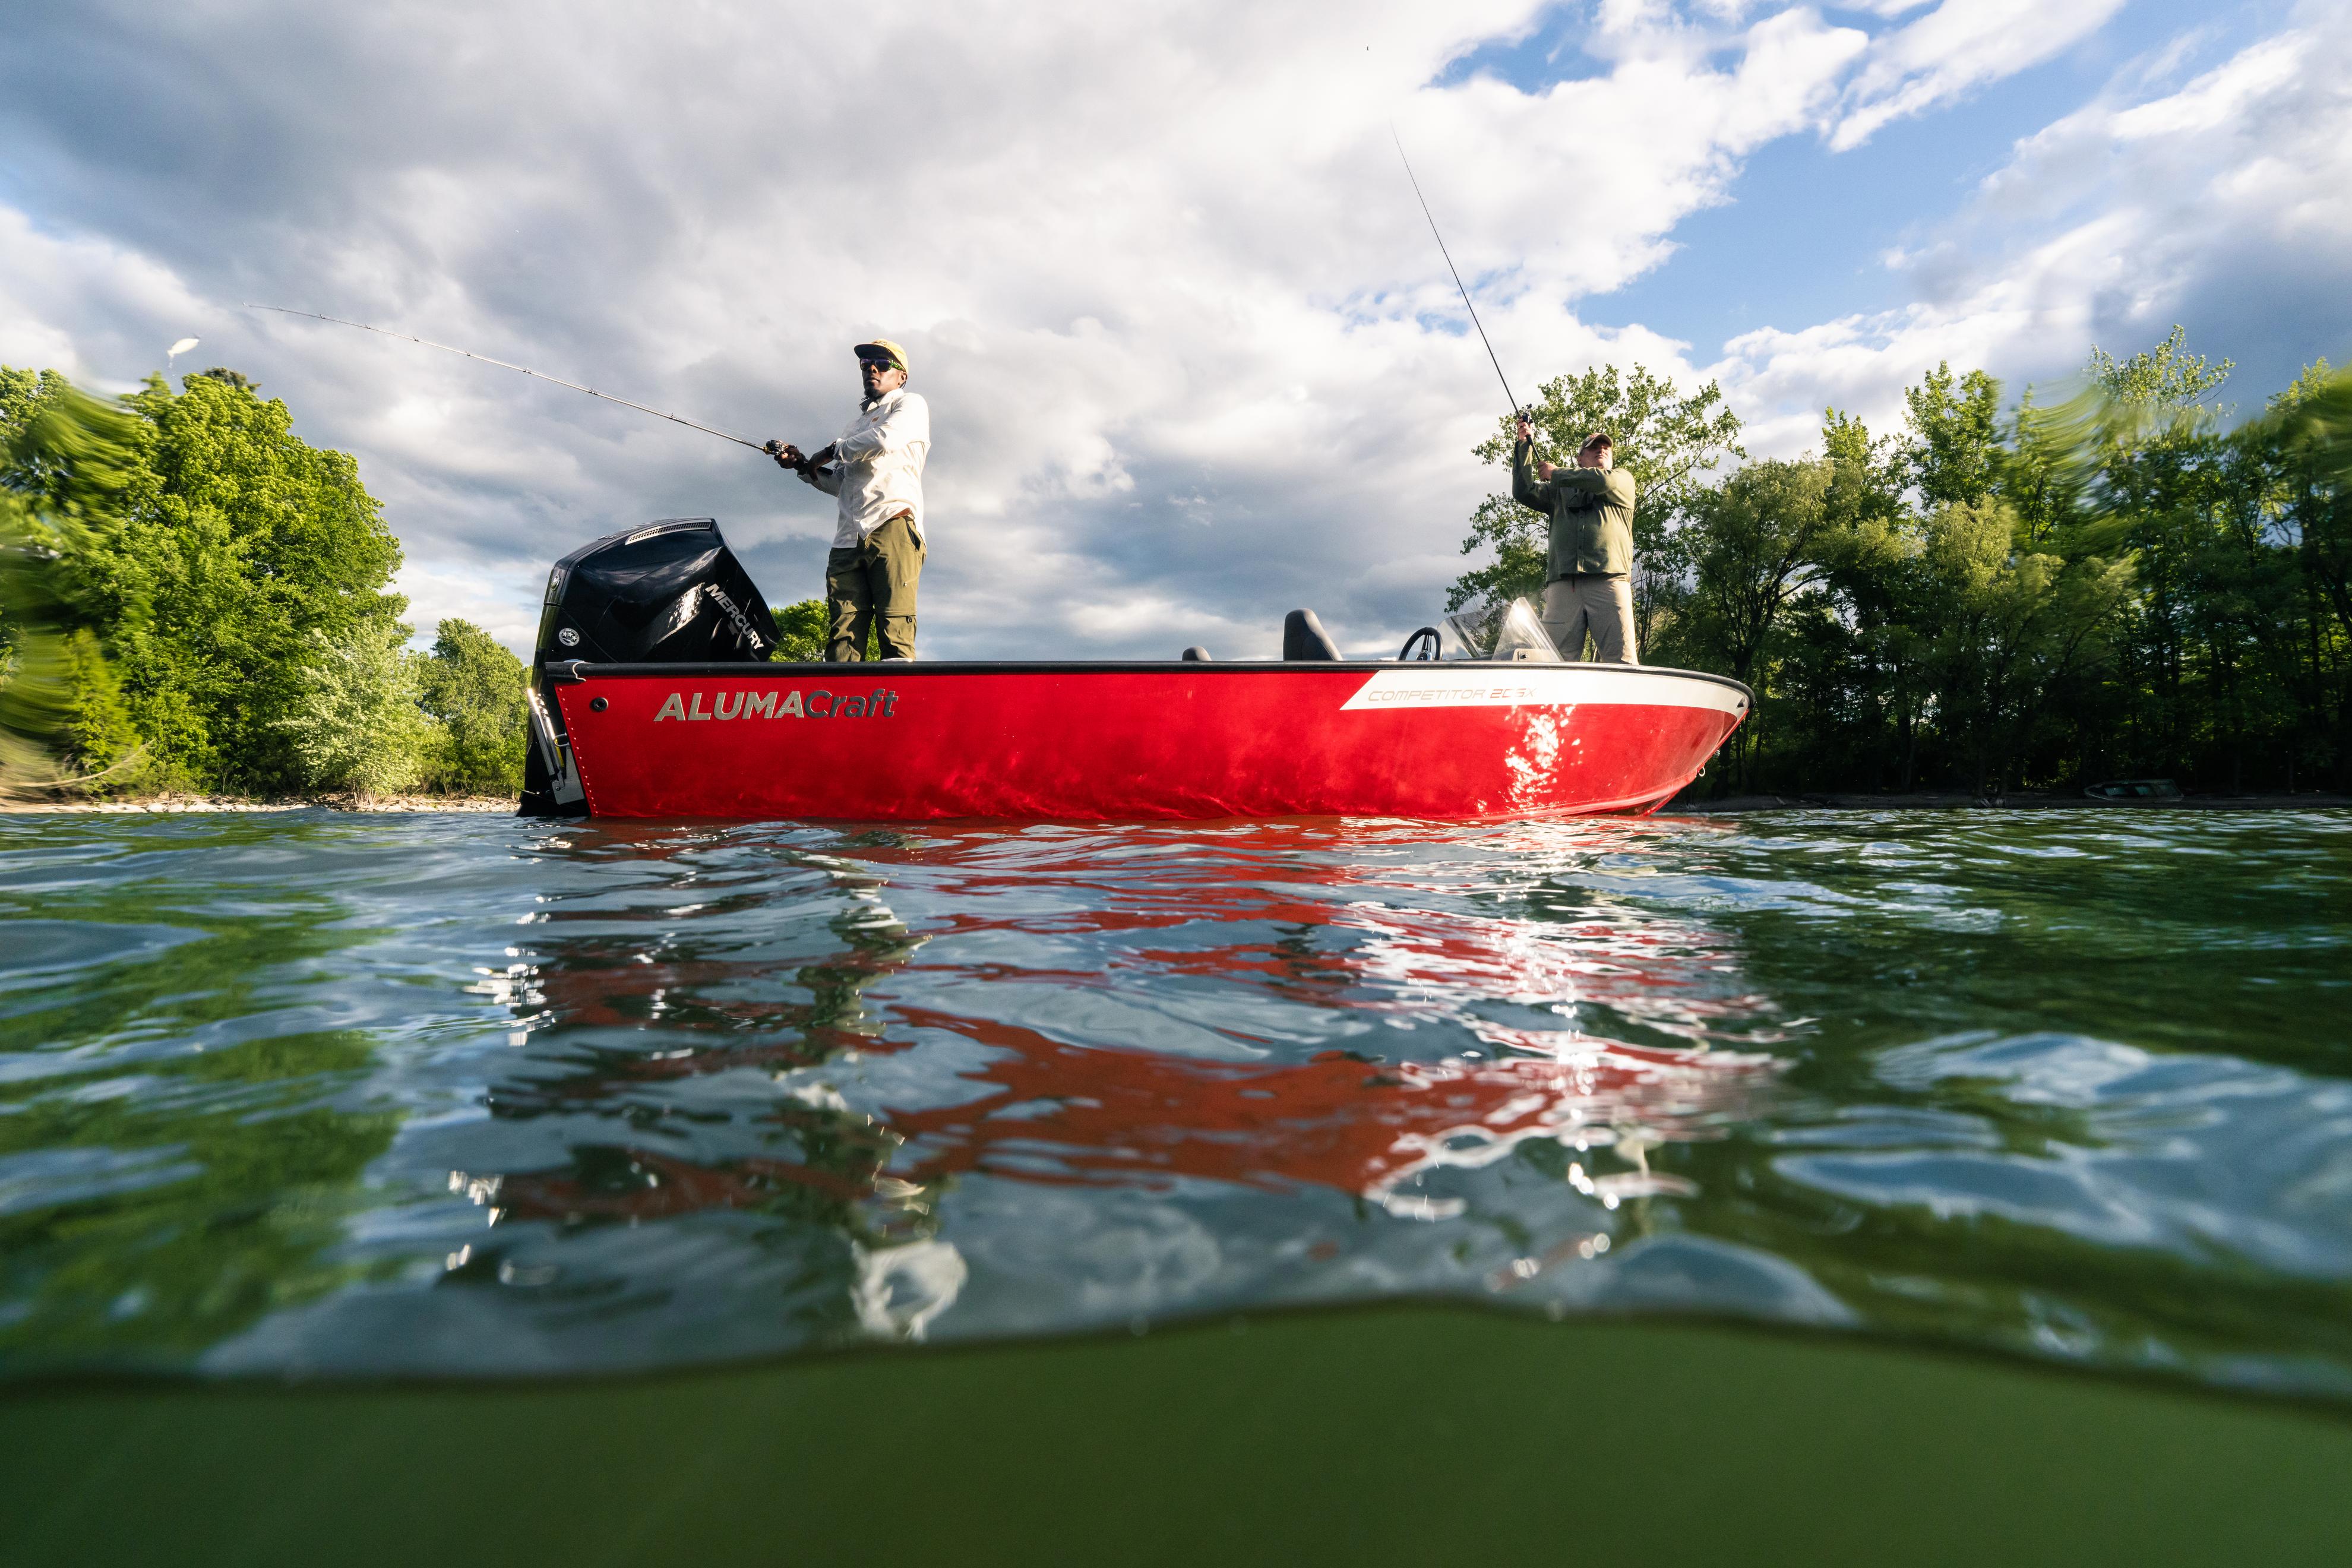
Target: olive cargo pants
x=1590 y=602
x=874 y=583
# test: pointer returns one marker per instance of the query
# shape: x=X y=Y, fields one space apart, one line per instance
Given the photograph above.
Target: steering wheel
x=1425 y=639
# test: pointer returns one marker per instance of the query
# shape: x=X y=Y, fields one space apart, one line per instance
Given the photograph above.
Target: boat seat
x=1196 y=654
x=1303 y=637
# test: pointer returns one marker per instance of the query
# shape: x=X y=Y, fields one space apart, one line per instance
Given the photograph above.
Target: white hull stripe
x=1540 y=686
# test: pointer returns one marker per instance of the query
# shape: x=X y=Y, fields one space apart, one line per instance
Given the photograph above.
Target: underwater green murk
x=333 y=1094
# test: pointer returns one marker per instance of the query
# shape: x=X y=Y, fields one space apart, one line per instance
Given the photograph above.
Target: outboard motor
x=669 y=593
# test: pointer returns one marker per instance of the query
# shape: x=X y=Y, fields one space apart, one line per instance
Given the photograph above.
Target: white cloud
x=1191 y=357
x=2137 y=211
x=85 y=306
x=1133 y=254
x=2219 y=98
x=1958 y=47
x=438 y=592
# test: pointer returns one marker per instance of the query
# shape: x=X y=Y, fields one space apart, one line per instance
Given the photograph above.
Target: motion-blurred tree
x=211 y=556
x=64 y=459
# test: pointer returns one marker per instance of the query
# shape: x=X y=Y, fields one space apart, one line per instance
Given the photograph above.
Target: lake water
x=326 y=1093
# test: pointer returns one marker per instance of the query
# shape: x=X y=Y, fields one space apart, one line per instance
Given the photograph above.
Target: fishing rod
x=1516 y=409
x=445 y=348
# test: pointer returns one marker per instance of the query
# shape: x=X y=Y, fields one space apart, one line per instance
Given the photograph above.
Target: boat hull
x=909 y=742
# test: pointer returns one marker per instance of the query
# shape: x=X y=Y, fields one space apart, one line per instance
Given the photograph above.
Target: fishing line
x=1456 y=272
x=502 y=364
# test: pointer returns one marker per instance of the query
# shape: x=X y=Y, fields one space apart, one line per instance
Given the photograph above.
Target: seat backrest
x=1196 y=654
x=1303 y=637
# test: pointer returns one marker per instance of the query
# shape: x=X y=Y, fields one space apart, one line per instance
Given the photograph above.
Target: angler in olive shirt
x=1592 y=557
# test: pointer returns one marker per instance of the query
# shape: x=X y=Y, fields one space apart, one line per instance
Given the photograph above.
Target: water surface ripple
x=324 y=1093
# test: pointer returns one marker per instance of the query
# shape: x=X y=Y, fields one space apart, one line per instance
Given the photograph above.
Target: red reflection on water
x=1071 y=1113
x=1062 y=1111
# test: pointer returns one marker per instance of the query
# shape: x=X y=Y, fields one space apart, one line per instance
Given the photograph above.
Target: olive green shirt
x=1591 y=512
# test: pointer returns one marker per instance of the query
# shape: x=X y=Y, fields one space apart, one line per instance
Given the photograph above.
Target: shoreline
x=171 y=805
x=1728 y=805
x=1961 y=800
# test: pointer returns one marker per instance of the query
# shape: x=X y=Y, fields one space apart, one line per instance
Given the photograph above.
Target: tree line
x=1994 y=598
x=192 y=598
x=2120 y=584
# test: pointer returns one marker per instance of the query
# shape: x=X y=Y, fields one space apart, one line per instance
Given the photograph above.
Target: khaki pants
x=1601 y=605
x=875 y=582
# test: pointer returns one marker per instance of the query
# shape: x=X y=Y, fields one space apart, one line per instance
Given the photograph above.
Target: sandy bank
x=216 y=803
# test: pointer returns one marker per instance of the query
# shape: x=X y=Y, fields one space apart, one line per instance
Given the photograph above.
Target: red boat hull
x=909 y=742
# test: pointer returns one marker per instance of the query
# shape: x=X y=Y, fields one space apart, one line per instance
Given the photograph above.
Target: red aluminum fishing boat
x=1121 y=741
x=666 y=707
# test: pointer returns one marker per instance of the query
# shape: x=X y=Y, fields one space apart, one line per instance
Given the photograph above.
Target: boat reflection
x=1056 y=1112
x=1242 y=1100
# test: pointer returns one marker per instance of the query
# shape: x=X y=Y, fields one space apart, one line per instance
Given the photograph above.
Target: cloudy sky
x=1192 y=356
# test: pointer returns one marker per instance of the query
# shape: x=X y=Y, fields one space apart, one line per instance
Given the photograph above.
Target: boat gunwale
x=568 y=670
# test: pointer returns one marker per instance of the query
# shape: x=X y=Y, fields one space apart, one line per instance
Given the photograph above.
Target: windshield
x=1511 y=631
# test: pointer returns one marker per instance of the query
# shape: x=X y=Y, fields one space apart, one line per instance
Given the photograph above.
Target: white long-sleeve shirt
x=877 y=469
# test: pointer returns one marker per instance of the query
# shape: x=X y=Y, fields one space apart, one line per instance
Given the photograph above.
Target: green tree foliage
x=1954 y=451
x=191 y=595
x=2299 y=455
x=354 y=724
x=212 y=553
x=2108 y=585
x=246 y=551
x=2012 y=627
x=1751 y=547
x=801 y=630
x=474 y=687
x=1754 y=543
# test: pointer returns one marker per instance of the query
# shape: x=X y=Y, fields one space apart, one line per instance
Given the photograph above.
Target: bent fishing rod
x=502 y=364
x=1517 y=410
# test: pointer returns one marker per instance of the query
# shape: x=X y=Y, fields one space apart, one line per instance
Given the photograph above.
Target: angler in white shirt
x=877 y=468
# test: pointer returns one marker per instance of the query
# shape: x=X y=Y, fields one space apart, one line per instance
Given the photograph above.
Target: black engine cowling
x=669 y=593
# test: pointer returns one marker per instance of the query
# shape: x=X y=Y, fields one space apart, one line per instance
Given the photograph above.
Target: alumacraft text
x=821 y=704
